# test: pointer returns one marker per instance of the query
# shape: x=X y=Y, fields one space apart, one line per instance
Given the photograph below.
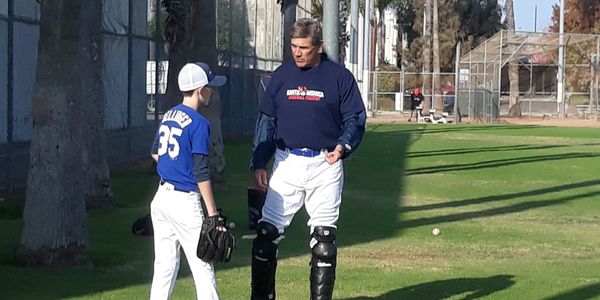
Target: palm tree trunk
x=68 y=89
x=427 y=56
x=381 y=36
x=436 y=57
x=513 y=69
x=288 y=11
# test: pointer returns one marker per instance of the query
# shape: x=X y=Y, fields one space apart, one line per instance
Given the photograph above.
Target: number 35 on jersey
x=168 y=141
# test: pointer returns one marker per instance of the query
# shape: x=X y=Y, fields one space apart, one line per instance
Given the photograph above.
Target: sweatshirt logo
x=303 y=93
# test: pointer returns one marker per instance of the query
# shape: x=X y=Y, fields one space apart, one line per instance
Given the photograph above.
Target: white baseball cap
x=195 y=75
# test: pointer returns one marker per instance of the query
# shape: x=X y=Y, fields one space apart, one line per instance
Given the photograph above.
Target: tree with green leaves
x=478 y=20
x=410 y=19
x=581 y=16
x=405 y=19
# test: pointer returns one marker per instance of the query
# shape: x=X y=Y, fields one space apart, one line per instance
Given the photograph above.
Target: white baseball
x=436 y=231
x=231 y=225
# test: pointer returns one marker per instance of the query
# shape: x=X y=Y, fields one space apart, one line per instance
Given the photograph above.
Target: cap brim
x=218 y=81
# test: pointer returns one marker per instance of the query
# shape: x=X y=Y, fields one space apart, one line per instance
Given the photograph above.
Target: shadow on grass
x=125 y=261
x=435 y=129
x=519 y=207
x=470 y=288
x=446 y=152
x=500 y=163
x=590 y=291
x=495 y=198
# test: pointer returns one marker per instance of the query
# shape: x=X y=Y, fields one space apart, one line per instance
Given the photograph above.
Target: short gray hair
x=304 y=28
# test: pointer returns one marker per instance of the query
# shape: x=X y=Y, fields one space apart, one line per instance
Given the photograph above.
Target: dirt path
x=554 y=122
x=569 y=122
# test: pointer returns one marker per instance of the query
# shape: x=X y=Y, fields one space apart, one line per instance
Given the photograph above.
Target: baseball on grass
x=436 y=231
x=231 y=225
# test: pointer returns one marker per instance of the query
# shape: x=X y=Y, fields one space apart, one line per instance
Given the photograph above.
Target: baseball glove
x=215 y=245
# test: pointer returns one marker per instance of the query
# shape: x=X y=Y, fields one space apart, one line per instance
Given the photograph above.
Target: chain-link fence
x=524 y=75
x=391 y=92
x=129 y=48
x=249 y=42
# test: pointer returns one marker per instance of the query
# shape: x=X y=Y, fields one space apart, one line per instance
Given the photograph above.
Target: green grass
x=518 y=208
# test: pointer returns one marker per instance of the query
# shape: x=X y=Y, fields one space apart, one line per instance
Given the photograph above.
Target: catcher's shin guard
x=264 y=261
x=323 y=262
x=256 y=201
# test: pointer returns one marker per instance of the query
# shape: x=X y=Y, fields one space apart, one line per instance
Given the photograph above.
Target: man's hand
x=335 y=155
x=261 y=179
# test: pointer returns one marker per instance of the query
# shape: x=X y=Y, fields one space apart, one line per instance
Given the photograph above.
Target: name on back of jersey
x=177 y=116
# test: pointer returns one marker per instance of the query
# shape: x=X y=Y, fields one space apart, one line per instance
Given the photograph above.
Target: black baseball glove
x=215 y=245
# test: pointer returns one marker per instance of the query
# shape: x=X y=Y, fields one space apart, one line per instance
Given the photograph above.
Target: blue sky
x=525 y=14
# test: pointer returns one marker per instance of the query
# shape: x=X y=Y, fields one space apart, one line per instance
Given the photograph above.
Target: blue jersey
x=182 y=133
x=310 y=105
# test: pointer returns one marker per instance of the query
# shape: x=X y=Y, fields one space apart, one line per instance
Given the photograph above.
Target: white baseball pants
x=177 y=221
x=308 y=181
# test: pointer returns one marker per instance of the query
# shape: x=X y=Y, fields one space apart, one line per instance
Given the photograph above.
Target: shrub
x=579 y=99
x=388 y=82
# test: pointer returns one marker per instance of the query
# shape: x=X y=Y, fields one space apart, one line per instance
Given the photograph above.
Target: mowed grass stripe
x=518 y=208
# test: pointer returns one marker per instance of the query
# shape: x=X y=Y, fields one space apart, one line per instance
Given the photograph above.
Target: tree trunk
x=427 y=57
x=288 y=11
x=381 y=36
x=98 y=192
x=197 y=42
x=513 y=69
x=436 y=57
x=373 y=48
x=212 y=112
x=68 y=89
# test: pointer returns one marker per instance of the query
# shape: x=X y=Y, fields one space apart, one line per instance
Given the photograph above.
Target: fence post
x=485 y=96
x=375 y=88
x=470 y=84
x=500 y=72
x=402 y=89
x=597 y=69
x=456 y=83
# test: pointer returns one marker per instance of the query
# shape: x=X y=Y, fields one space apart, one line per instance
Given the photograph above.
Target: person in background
x=416 y=101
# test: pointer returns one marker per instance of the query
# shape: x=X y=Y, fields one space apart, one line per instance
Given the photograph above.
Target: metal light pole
x=535 y=19
x=456 y=83
x=560 y=87
x=366 y=52
x=354 y=37
x=331 y=29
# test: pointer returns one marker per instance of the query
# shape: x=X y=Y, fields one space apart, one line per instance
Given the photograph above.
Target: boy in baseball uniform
x=181 y=151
